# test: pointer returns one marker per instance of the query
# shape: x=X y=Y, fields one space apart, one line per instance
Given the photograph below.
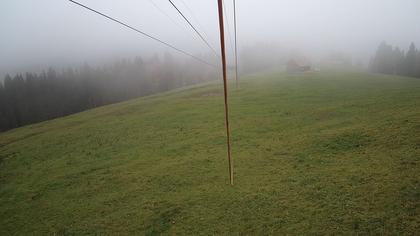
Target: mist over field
x=39 y=34
x=145 y=117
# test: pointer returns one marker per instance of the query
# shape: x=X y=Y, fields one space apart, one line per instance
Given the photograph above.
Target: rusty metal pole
x=222 y=47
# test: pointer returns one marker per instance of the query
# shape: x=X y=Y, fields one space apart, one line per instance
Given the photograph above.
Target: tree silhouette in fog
x=389 y=60
x=37 y=97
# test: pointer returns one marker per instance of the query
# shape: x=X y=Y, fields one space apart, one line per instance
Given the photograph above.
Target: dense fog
x=37 y=34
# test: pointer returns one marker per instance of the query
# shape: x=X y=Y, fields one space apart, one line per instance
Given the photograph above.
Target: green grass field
x=314 y=154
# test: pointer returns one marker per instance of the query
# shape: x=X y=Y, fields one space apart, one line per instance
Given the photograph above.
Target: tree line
x=393 y=60
x=33 y=97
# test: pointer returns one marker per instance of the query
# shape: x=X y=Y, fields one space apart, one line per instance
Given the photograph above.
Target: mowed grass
x=323 y=154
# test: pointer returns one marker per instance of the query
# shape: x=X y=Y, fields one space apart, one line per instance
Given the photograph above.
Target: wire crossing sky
x=38 y=34
x=143 y=33
x=192 y=26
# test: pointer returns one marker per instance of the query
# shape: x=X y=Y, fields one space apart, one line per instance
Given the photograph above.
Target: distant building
x=296 y=64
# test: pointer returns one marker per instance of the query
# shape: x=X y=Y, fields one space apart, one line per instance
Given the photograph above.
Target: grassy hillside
x=328 y=153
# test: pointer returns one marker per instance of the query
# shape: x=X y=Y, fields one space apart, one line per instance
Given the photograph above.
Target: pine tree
x=410 y=61
x=398 y=60
x=383 y=62
x=418 y=65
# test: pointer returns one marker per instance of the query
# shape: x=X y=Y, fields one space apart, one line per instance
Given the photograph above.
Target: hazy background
x=36 y=34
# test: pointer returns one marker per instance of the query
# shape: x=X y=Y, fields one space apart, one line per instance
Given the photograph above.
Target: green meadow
x=328 y=153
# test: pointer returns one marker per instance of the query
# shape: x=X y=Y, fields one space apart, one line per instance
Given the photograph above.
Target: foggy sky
x=36 y=34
